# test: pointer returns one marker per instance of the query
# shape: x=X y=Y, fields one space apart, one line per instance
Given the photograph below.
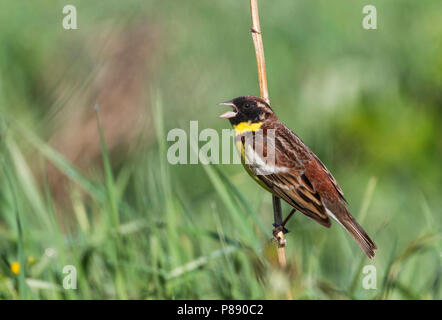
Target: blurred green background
x=101 y=196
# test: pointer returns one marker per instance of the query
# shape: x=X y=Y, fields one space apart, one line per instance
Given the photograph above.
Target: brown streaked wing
x=332 y=179
x=289 y=187
x=293 y=147
x=289 y=181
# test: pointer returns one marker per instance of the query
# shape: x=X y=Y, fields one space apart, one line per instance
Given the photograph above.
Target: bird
x=276 y=158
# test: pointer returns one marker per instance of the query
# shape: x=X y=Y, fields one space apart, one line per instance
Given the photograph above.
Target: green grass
x=136 y=227
x=164 y=246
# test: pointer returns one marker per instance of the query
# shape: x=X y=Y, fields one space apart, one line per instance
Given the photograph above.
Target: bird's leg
x=288 y=217
x=281 y=227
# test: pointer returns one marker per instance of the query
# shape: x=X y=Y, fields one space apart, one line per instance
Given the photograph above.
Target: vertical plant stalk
x=264 y=93
x=259 y=51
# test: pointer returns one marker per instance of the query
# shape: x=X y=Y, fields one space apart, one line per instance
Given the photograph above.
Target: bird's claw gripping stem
x=277 y=229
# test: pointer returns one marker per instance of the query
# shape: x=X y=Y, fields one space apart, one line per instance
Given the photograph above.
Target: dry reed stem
x=264 y=93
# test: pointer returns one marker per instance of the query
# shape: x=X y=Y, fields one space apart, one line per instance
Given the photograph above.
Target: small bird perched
x=287 y=168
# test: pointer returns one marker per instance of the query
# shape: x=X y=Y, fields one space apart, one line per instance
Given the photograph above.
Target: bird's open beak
x=229 y=114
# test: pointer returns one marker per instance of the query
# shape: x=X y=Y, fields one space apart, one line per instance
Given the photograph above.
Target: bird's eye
x=247 y=105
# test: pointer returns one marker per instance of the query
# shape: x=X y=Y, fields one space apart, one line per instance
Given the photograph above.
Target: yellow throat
x=241 y=128
x=246 y=126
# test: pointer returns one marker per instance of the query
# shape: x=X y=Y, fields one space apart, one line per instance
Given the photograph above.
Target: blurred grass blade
x=195 y=264
x=368 y=195
x=246 y=205
x=27 y=182
x=117 y=253
x=414 y=247
x=22 y=287
x=109 y=176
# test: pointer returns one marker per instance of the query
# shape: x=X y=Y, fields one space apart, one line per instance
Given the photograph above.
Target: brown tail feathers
x=361 y=237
